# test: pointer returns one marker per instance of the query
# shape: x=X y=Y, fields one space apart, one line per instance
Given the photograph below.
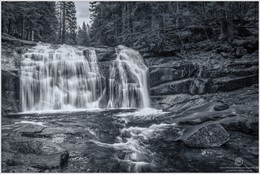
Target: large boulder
x=244 y=124
x=35 y=153
x=29 y=130
x=205 y=135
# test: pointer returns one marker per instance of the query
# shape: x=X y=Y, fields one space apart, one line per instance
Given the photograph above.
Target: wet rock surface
x=207 y=135
x=130 y=140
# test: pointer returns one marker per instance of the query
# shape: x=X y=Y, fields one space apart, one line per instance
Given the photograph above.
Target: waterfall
x=59 y=78
x=128 y=80
x=66 y=78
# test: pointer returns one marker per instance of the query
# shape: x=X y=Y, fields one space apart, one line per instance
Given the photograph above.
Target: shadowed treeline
x=161 y=24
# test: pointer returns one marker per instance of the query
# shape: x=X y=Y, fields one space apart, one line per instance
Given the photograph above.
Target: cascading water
x=59 y=79
x=128 y=80
x=66 y=78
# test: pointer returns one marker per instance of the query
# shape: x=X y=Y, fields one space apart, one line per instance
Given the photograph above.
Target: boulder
x=36 y=153
x=244 y=124
x=205 y=135
x=221 y=106
x=30 y=130
x=58 y=130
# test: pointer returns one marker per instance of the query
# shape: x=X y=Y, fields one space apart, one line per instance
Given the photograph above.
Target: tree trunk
x=63 y=23
x=9 y=27
x=227 y=23
x=177 y=12
x=60 y=24
x=22 y=35
x=230 y=24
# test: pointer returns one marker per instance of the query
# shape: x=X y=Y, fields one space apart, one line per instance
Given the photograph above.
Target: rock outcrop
x=36 y=154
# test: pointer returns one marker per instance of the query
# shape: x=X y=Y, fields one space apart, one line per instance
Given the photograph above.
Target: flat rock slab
x=205 y=135
x=35 y=153
x=29 y=129
x=44 y=161
x=243 y=124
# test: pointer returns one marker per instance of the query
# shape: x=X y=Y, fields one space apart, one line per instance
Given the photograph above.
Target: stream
x=118 y=140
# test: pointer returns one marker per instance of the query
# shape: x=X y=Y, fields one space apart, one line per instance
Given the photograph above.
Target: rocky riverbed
x=205 y=117
x=129 y=141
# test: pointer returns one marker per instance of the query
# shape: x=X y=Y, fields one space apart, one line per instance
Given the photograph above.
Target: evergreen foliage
x=66 y=14
x=83 y=35
x=29 y=20
x=162 y=24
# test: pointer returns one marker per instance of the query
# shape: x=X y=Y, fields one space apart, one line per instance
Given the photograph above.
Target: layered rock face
x=12 y=50
x=184 y=80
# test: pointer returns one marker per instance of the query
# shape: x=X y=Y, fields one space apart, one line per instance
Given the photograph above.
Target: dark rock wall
x=10 y=91
x=11 y=57
x=174 y=79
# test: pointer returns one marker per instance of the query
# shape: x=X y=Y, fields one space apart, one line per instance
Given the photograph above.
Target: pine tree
x=92 y=10
x=29 y=20
x=83 y=35
x=66 y=14
x=71 y=23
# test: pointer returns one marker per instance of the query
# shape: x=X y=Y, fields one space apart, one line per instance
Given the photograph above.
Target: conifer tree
x=66 y=14
x=29 y=20
x=83 y=35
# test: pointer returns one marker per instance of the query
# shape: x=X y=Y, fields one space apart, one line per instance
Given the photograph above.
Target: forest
x=53 y=22
x=155 y=25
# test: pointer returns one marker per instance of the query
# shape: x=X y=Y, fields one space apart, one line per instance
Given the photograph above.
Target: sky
x=83 y=12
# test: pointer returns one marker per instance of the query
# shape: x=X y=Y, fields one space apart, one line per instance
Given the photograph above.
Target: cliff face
x=208 y=79
x=199 y=76
x=12 y=50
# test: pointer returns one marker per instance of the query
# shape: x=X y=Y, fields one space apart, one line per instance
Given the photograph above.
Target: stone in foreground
x=206 y=135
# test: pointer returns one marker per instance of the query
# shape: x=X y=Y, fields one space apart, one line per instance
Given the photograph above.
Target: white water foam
x=133 y=141
x=31 y=122
x=145 y=112
x=62 y=78
x=128 y=80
